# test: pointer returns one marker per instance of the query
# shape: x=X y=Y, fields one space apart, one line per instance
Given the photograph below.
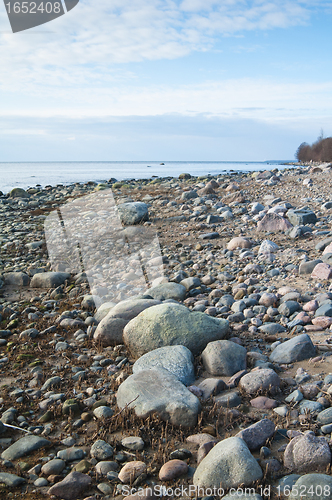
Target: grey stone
x=307 y=452
x=307 y=406
x=272 y=328
x=190 y=283
x=159 y=392
x=324 y=310
x=133 y=443
x=229 y=399
x=223 y=357
x=71 y=454
x=268 y=246
x=189 y=195
x=105 y=466
x=260 y=380
x=298 y=231
x=213 y=219
x=321 y=245
x=16 y=278
x=177 y=359
x=103 y=412
x=325 y=416
x=229 y=464
x=288 y=308
x=209 y=236
x=311 y=487
x=133 y=212
x=256 y=435
x=100 y=450
x=285 y=483
x=172 y=324
x=103 y=310
x=54 y=466
x=40 y=482
x=166 y=291
x=51 y=382
x=212 y=386
x=49 y=279
x=11 y=480
x=24 y=446
x=295 y=349
x=110 y=330
x=300 y=217
x=294 y=397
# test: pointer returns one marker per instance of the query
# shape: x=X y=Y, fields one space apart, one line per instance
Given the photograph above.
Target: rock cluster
x=216 y=373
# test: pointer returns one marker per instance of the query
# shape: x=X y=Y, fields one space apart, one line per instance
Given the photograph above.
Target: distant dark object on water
x=154 y=176
x=161 y=163
x=148 y=166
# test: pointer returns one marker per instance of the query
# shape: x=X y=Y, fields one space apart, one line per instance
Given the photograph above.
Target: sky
x=196 y=80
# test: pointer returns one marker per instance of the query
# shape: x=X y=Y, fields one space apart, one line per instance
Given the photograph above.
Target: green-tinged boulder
x=172 y=324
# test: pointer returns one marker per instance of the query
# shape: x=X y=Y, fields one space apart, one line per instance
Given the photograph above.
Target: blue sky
x=163 y=79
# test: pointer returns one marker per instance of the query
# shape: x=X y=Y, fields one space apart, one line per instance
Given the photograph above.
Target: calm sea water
x=26 y=175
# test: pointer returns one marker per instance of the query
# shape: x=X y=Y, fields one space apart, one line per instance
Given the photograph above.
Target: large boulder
x=307 y=452
x=311 y=487
x=229 y=464
x=19 y=193
x=273 y=223
x=172 y=324
x=133 y=213
x=24 y=446
x=296 y=349
x=176 y=359
x=223 y=357
x=263 y=379
x=301 y=216
x=110 y=329
x=49 y=279
x=159 y=391
x=16 y=278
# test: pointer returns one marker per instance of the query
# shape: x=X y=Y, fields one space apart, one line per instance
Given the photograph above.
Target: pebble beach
x=214 y=378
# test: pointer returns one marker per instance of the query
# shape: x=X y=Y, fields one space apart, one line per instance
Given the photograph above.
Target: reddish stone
x=312 y=328
x=204 y=449
x=322 y=272
x=131 y=471
x=173 y=469
x=71 y=487
x=328 y=249
x=238 y=242
x=263 y=403
x=322 y=321
x=273 y=222
x=303 y=317
x=200 y=439
x=311 y=306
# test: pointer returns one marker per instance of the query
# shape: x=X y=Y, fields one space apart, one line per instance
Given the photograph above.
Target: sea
x=31 y=174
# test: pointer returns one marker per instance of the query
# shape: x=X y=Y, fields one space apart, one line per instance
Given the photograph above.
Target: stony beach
x=216 y=378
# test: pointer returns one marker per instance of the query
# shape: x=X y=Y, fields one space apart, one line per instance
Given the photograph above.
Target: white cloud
x=95 y=35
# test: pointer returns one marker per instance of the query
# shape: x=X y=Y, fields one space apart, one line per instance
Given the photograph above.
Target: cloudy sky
x=167 y=79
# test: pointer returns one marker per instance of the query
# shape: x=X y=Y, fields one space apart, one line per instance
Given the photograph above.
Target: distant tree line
x=320 y=150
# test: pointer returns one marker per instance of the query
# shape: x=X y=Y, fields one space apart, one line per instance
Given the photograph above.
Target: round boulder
x=172 y=324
